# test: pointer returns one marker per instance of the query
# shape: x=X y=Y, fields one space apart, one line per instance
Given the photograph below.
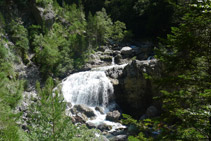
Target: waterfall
x=91 y=88
x=113 y=61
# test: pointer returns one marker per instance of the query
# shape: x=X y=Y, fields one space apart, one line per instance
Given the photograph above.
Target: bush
x=19 y=36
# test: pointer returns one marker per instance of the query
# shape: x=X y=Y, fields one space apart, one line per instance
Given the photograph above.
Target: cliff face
x=135 y=88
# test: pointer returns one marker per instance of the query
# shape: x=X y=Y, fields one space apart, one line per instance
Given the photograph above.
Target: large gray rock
x=136 y=90
x=90 y=125
x=79 y=118
x=126 y=51
x=117 y=59
x=44 y=15
x=94 y=59
x=108 y=52
x=113 y=116
x=106 y=58
x=104 y=127
x=83 y=109
x=114 y=72
x=121 y=138
x=99 y=109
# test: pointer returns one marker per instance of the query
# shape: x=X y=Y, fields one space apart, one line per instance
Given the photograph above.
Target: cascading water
x=92 y=88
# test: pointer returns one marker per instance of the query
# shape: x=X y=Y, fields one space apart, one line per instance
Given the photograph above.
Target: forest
x=149 y=58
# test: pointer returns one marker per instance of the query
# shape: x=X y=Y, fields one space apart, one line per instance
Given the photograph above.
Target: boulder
x=126 y=51
x=108 y=52
x=116 y=52
x=135 y=91
x=114 y=72
x=84 y=109
x=99 y=109
x=117 y=59
x=121 y=138
x=113 y=116
x=90 y=125
x=104 y=127
x=80 y=118
x=94 y=59
x=106 y=58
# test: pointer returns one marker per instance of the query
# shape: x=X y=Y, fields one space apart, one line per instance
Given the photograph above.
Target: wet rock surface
x=113 y=116
x=135 y=89
x=104 y=127
x=99 y=109
x=84 y=110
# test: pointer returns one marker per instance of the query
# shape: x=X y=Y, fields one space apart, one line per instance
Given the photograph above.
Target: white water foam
x=92 y=88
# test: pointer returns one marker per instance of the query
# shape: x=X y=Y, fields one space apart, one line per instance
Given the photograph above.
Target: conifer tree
x=10 y=95
x=186 y=81
x=48 y=120
x=47 y=116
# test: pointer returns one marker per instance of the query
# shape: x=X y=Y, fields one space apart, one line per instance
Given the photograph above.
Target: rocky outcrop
x=84 y=110
x=126 y=51
x=79 y=118
x=90 y=125
x=115 y=72
x=104 y=127
x=43 y=15
x=113 y=116
x=136 y=90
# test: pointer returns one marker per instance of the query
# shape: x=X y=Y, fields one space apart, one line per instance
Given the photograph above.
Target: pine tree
x=186 y=81
x=47 y=116
x=48 y=121
x=10 y=95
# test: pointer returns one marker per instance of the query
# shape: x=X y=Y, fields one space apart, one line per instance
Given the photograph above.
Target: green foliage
x=33 y=31
x=10 y=95
x=141 y=6
x=47 y=54
x=2 y=22
x=118 y=31
x=8 y=130
x=10 y=90
x=19 y=36
x=65 y=46
x=145 y=18
x=48 y=119
x=44 y=3
x=140 y=137
x=186 y=81
x=147 y=76
x=101 y=29
x=143 y=128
